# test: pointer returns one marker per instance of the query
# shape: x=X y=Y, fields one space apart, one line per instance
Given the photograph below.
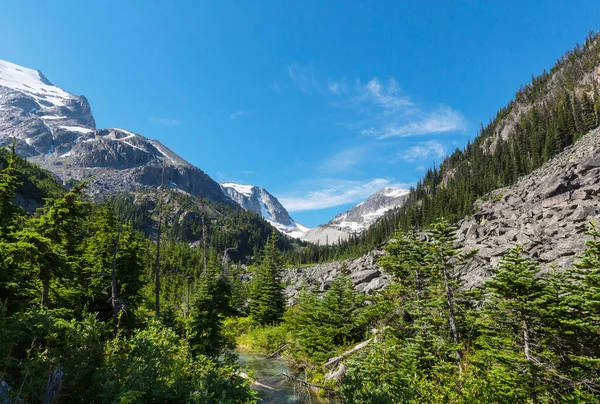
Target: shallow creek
x=271 y=385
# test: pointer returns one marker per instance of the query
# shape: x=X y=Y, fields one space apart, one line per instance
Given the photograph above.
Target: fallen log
x=277 y=352
x=255 y=383
x=338 y=373
x=334 y=361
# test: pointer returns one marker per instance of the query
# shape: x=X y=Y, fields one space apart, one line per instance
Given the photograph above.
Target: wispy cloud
x=238 y=114
x=340 y=192
x=346 y=160
x=423 y=150
x=379 y=108
x=166 y=121
x=444 y=119
x=304 y=78
x=386 y=112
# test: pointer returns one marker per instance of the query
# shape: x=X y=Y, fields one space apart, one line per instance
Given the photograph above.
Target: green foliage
x=320 y=325
x=263 y=339
x=155 y=365
x=266 y=299
x=211 y=305
x=68 y=250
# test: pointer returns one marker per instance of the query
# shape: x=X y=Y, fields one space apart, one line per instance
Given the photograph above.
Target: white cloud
x=445 y=119
x=423 y=150
x=340 y=193
x=238 y=114
x=346 y=160
x=304 y=78
x=167 y=121
x=379 y=108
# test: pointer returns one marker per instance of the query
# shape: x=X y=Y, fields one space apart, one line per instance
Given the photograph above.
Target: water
x=269 y=372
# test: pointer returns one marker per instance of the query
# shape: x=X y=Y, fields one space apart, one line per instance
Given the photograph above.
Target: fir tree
x=267 y=302
x=511 y=319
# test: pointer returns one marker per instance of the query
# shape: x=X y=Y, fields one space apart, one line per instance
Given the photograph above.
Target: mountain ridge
x=259 y=200
x=358 y=218
x=56 y=130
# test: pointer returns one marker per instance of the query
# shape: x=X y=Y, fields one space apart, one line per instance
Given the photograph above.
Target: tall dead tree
x=114 y=295
x=158 y=235
x=204 y=243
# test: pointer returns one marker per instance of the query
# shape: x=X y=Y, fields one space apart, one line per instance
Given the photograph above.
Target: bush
x=264 y=339
x=156 y=366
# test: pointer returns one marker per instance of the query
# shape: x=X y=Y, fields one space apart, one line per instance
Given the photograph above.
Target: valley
x=129 y=275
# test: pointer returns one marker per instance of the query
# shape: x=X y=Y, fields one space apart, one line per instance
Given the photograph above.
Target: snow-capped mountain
x=258 y=200
x=358 y=218
x=362 y=216
x=56 y=130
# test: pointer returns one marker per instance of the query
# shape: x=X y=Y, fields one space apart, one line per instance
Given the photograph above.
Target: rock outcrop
x=547 y=212
x=364 y=272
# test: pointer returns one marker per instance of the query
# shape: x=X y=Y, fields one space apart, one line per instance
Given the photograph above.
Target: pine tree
x=9 y=212
x=445 y=260
x=267 y=302
x=48 y=243
x=212 y=302
x=511 y=318
x=588 y=113
x=99 y=256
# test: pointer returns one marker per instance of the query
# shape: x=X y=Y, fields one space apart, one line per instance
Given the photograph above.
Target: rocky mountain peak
x=358 y=218
x=56 y=130
x=259 y=200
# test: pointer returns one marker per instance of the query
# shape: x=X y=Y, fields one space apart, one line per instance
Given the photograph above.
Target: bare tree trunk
x=204 y=243
x=224 y=267
x=45 y=292
x=526 y=337
x=452 y=318
x=114 y=282
x=157 y=261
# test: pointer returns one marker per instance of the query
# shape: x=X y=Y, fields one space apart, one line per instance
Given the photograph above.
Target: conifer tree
x=588 y=113
x=445 y=260
x=48 y=243
x=9 y=212
x=212 y=302
x=267 y=302
x=512 y=317
x=99 y=256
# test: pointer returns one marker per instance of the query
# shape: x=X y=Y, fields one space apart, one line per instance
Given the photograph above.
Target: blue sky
x=320 y=102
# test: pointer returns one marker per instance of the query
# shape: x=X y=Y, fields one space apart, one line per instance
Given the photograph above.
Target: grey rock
x=364 y=276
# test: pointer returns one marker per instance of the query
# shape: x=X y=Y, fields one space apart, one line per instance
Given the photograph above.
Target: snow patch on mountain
x=33 y=83
x=358 y=218
x=258 y=200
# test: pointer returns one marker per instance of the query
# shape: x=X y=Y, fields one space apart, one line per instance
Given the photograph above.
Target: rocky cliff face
x=358 y=218
x=256 y=199
x=547 y=212
x=56 y=130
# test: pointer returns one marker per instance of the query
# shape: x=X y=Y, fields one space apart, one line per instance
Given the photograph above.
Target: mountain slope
x=358 y=218
x=57 y=131
x=547 y=212
x=256 y=199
